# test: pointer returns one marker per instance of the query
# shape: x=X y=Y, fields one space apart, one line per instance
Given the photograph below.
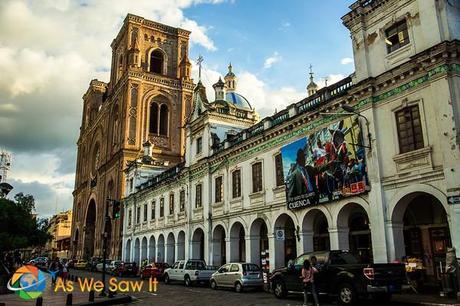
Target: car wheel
x=187 y=281
x=213 y=285
x=238 y=287
x=347 y=294
x=279 y=289
x=166 y=279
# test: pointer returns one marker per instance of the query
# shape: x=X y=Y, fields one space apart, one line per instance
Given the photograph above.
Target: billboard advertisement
x=326 y=165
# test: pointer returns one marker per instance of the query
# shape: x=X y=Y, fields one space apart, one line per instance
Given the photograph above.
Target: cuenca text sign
x=326 y=165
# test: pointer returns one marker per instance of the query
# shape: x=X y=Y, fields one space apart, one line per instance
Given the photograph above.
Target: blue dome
x=237 y=100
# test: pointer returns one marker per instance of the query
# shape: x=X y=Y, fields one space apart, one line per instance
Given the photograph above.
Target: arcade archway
x=218 y=246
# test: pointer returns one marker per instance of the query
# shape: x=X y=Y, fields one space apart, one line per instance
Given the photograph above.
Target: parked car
x=189 y=271
x=92 y=263
x=113 y=264
x=154 y=270
x=40 y=262
x=107 y=266
x=238 y=276
x=341 y=274
x=125 y=269
x=80 y=264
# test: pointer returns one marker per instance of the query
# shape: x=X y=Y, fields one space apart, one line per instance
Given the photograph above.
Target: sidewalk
x=424 y=299
x=59 y=298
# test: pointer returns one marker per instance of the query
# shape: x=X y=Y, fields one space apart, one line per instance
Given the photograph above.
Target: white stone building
x=227 y=202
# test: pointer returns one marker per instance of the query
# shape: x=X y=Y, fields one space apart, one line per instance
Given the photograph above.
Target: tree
x=26 y=202
x=18 y=226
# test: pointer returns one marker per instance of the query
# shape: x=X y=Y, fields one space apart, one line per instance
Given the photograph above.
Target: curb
x=423 y=303
x=111 y=301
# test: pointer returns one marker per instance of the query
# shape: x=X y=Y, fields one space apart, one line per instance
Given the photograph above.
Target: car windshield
x=250 y=267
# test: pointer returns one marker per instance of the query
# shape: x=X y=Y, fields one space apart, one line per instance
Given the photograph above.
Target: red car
x=125 y=269
x=154 y=270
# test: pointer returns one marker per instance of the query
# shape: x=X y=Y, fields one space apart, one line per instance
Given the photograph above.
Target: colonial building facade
x=394 y=193
x=147 y=99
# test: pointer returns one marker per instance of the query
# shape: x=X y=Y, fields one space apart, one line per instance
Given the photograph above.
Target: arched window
x=164 y=120
x=153 y=126
x=156 y=62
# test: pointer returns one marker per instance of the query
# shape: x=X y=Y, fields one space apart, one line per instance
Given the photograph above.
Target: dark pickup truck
x=341 y=274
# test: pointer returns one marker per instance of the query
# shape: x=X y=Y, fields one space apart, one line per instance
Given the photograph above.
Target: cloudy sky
x=51 y=49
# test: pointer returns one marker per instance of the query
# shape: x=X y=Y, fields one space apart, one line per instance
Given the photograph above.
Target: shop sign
x=279 y=234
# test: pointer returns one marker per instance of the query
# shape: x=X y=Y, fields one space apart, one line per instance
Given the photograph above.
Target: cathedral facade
x=369 y=164
x=147 y=99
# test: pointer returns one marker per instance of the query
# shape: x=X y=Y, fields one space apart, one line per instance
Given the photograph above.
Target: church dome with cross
x=226 y=91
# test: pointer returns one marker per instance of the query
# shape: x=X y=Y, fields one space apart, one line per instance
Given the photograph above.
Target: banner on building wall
x=326 y=165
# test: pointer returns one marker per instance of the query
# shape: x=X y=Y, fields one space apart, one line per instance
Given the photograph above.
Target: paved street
x=178 y=294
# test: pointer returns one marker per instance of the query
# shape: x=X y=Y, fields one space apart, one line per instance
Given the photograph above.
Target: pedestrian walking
x=307 y=277
x=65 y=270
x=53 y=269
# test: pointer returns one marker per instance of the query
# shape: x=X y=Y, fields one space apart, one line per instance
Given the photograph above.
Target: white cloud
x=49 y=52
x=262 y=97
x=285 y=24
x=346 y=61
x=274 y=58
x=331 y=79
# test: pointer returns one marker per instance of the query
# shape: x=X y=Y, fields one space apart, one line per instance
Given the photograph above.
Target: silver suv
x=238 y=276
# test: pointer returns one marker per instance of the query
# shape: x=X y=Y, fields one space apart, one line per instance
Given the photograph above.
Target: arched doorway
x=90 y=229
x=259 y=243
x=197 y=244
x=152 y=248
x=286 y=249
x=425 y=231
x=128 y=250
x=218 y=246
x=315 y=231
x=161 y=249
x=237 y=243
x=181 y=245
x=170 y=249
x=137 y=251
x=354 y=218
x=143 y=250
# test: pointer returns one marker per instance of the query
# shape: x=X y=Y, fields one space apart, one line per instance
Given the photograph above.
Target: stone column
x=228 y=249
x=395 y=243
x=251 y=241
x=339 y=238
x=307 y=241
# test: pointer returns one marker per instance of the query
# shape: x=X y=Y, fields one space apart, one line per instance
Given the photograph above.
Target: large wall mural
x=326 y=165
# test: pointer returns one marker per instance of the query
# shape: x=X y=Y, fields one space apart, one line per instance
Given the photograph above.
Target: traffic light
x=116 y=209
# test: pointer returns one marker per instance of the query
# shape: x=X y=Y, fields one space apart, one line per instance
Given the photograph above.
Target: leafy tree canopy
x=19 y=228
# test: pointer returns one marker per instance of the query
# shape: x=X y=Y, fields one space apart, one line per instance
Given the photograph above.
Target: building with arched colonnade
x=394 y=194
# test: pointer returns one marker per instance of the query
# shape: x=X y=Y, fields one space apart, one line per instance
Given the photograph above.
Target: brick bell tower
x=148 y=98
